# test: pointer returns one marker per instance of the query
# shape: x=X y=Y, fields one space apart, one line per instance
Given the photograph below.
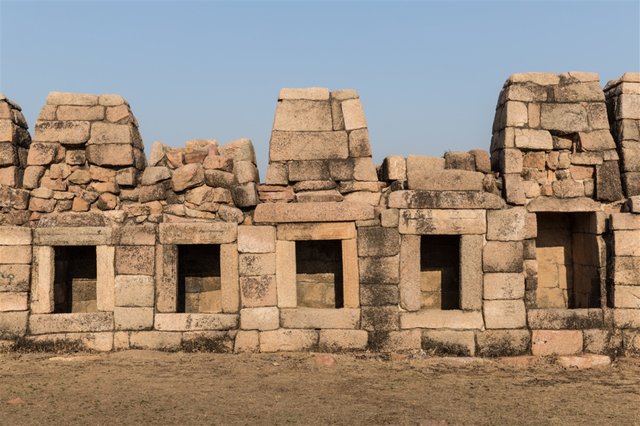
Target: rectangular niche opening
x=319 y=281
x=75 y=276
x=568 y=262
x=440 y=271
x=199 y=284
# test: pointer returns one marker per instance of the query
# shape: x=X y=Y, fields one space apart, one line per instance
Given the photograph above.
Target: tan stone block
x=394 y=168
x=15 y=277
x=435 y=318
x=551 y=204
x=564 y=117
x=15 y=254
x=626 y=296
x=14 y=235
x=343 y=340
x=449 y=342
x=288 y=340
x=316 y=231
x=198 y=233
x=286 y=146
x=13 y=301
x=511 y=161
x=135 y=260
x=308 y=93
x=260 y=318
x=379 y=270
x=110 y=154
x=492 y=343
x=247 y=341
x=258 y=291
x=166 y=277
x=70 y=323
x=105 y=273
x=77 y=113
x=400 y=341
x=504 y=314
x=562 y=318
x=320 y=318
x=443 y=180
x=256 y=239
x=134 y=290
x=626 y=270
x=286 y=274
x=109 y=133
x=64 y=132
x=378 y=241
x=257 y=264
x=507 y=225
x=312 y=212
x=499 y=256
x=353 y=114
x=120 y=340
x=410 y=295
x=444 y=200
x=65 y=98
x=350 y=274
x=303 y=115
x=471 y=272
x=127 y=318
x=556 y=342
x=626 y=243
x=13 y=324
x=195 y=322
x=155 y=340
x=42 y=280
x=627 y=318
x=229 y=278
x=503 y=286
x=445 y=221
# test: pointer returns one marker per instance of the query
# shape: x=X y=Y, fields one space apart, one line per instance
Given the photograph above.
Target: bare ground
x=143 y=387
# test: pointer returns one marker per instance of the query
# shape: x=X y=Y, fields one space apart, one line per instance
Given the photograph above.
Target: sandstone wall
x=531 y=248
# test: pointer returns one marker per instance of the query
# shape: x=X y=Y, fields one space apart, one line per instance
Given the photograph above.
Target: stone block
x=13 y=324
x=260 y=318
x=303 y=115
x=72 y=236
x=380 y=318
x=511 y=161
x=389 y=218
x=379 y=270
x=245 y=195
x=258 y=291
x=110 y=154
x=599 y=341
x=286 y=146
x=40 y=154
x=564 y=117
x=409 y=286
x=378 y=241
x=14 y=277
x=108 y=133
x=257 y=264
x=312 y=212
x=504 y=314
x=198 y=233
x=64 y=132
x=494 y=343
x=608 y=182
x=627 y=296
x=288 y=340
x=342 y=340
x=153 y=175
x=471 y=272
x=139 y=235
x=247 y=341
x=316 y=231
x=342 y=170
x=503 y=286
x=286 y=274
x=445 y=200
x=449 y=342
x=598 y=140
x=135 y=260
x=443 y=180
x=246 y=171
x=187 y=176
x=134 y=291
x=561 y=319
x=625 y=243
x=64 y=98
x=364 y=169
x=195 y=322
x=379 y=295
x=575 y=205
x=256 y=239
x=70 y=323
x=445 y=221
x=359 y=143
x=155 y=340
x=394 y=168
x=127 y=318
x=396 y=341
x=353 y=114
x=301 y=318
x=556 y=342
x=14 y=301
x=229 y=278
x=308 y=170
x=308 y=93
x=15 y=255
x=503 y=256
x=435 y=318
x=239 y=150
x=14 y=235
x=626 y=270
x=507 y=225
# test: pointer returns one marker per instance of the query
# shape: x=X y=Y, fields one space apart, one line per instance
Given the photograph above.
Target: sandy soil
x=141 y=387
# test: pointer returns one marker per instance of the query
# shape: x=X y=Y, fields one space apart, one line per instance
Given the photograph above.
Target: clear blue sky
x=429 y=73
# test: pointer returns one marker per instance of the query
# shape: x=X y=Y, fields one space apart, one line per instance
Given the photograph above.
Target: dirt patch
x=145 y=387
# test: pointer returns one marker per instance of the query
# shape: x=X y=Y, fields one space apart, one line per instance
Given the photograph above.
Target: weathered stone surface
x=608 y=183
x=435 y=318
x=506 y=225
x=443 y=221
x=187 y=176
x=65 y=98
x=359 y=143
x=626 y=270
x=14 y=235
x=353 y=114
x=134 y=290
x=197 y=233
x=247 y=341
x=499 y=256
x=310 y=93
x=445 y=200
x=260 y=318
x=13 y=324
x=443 y=180
x=564 y=117
x=379 y=270
x=155 y=340
x=14 y=301
x=133 y=318
x=380 y=318
x=562 y=319
x=342 y=340
x=557 y=342
x=503 y=286
x=308 y=145
x=316 y=231
x=64 y=132
x=394 y=168
x=378 y=241
x=627 y=297
x=110 y=154
x=14 y=277
x=70 y=323
x=471 y=272
x=449 y=342
x=303 y=115
x=301 y=318
x=288 y=340
x=195 y=322
x=152 y=175
x=312 y=212
x=258 y=291
x=504 y=314
x=84 y=235
x=492 y=343
x=257 y=264
x=551 y=204
x=245 y=195
x=626 y=243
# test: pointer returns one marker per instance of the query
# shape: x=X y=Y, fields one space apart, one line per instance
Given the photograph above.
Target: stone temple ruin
x=531 y=248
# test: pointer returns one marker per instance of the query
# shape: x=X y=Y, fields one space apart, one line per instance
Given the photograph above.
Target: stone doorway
x=319 y=277
x=440 y=271
x=74 y=285
x=199 y=281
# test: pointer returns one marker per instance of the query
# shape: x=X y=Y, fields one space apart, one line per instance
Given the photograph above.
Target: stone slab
x=435 y=318
x=439 y=222
x=302 y=318
x=195 y=322
x=73 y=236
x=70 y=323
x=288 y=340
x=285 y=146
x=312 y=212
x=198 y=233
x=445 y=200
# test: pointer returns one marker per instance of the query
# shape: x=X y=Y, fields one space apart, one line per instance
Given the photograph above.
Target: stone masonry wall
x=193 y=252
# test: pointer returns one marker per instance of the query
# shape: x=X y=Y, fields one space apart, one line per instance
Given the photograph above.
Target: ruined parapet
x=320 y=149
x=202 y=180
x=86 y=150
x=14 y=144
x=551 y=138
x=623 y=103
